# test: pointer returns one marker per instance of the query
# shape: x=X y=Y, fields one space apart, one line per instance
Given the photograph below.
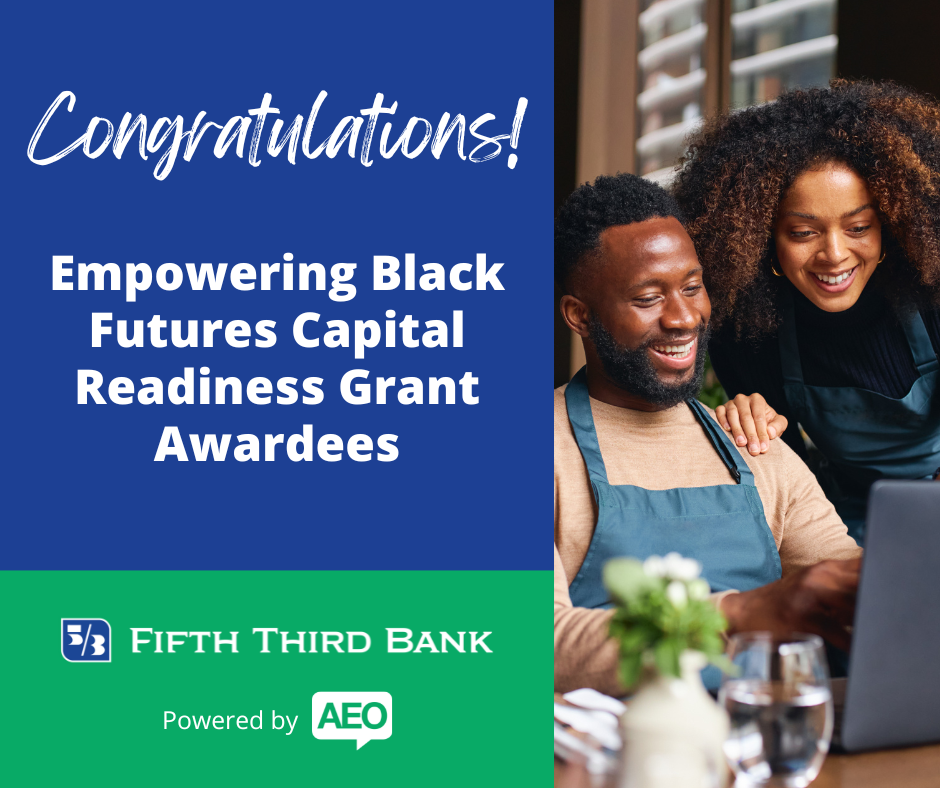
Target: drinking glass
x=780 y=707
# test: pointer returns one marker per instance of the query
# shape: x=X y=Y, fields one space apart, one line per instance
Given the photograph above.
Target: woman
x=817 y=220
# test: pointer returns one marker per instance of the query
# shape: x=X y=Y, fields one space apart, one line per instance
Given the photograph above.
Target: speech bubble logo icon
x=361 y=716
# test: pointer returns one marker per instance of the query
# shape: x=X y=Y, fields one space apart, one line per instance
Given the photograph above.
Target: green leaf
x=630 y=669
x=666 y=654
x=711 y=643
x=626 y=581
x=722 y=662
x=647 y=626
x=638 y=638
x=712 y=394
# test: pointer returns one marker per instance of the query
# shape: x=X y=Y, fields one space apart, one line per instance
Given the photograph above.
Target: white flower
x=699 y=589
x=679 y=568
x=654 y=566
x=674 y=563
x=676 y=593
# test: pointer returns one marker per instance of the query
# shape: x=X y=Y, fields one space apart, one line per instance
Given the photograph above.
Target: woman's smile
x=836 y=282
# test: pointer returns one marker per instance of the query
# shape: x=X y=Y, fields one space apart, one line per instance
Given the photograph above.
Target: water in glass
x=781 y=712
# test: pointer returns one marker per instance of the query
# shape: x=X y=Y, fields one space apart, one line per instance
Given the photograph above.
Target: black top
x=862 y=347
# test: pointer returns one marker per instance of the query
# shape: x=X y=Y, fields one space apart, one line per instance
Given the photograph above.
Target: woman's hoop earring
x=882 y=258
x=774 y=270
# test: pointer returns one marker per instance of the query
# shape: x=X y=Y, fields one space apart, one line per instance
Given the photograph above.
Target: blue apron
x=863 y=435
x=722 y=527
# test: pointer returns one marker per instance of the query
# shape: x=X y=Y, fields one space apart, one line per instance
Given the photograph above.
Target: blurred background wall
x=633 y=77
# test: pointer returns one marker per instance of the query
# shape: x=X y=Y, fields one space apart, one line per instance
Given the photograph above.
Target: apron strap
x=912 y=322
x=578 y=403
x=790 y=362
x=925 y=359
x=726 y=450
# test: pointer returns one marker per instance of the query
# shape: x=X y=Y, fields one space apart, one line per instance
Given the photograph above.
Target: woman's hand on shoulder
x=751 y=422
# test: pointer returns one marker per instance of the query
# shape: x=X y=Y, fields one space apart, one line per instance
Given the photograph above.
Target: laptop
x=892 y=695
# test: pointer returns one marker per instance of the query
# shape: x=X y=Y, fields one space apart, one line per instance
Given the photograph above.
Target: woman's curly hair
x=740 y=165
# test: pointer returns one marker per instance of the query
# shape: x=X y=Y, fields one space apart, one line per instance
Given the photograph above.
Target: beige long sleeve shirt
x=660 y=451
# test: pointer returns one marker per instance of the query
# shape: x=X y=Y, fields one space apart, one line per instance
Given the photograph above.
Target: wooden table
x=916 y=767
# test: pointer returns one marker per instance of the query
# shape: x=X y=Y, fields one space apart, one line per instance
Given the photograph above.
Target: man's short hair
x=610 y=201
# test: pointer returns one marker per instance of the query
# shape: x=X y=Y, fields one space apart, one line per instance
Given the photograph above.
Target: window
x=779 y=45
x=672 y=76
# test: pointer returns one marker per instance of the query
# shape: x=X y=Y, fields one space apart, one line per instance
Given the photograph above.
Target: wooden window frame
x=609 y=85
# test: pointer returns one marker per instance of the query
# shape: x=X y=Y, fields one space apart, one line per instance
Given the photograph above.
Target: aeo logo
x=352 y=715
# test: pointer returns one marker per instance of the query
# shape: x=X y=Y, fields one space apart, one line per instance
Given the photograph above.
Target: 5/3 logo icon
x=86 y=640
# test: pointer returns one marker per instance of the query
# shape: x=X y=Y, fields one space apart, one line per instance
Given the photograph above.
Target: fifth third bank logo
x=86 y=640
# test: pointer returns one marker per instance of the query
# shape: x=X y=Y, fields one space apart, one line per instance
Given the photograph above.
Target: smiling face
x=828 y=236
x=645 y=311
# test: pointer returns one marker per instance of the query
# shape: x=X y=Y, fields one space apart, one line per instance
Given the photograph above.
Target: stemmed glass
x=780 y=705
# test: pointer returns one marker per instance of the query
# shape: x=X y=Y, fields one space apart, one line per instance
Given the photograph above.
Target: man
x=642 y=468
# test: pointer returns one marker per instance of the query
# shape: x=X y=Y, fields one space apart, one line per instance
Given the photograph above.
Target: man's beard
x=633 y=370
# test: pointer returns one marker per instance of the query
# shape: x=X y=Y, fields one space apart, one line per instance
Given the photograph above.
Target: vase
x=673 y=732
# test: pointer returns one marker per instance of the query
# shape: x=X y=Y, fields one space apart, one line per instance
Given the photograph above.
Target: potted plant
x=668 y=630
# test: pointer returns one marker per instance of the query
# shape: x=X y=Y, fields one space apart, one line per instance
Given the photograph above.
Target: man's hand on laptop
x=819 y=599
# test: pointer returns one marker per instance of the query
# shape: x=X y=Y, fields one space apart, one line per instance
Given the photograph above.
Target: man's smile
x=676 y=355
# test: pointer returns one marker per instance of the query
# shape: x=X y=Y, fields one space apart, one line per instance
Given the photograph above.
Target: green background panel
x=458 y=719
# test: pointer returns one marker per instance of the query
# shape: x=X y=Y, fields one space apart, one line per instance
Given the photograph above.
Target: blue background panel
x=81 y=489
